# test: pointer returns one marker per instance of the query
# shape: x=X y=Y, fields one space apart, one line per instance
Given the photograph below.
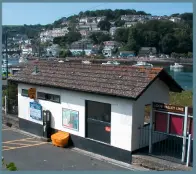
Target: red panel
x=160 y=122
x=176 y=125
x=191 y=127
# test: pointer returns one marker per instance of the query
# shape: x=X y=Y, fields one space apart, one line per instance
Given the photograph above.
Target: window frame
x=23 y=94
x=49 y=97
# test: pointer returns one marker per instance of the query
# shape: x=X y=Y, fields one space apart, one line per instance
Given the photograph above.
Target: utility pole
x=83 y=48
x=6 y=54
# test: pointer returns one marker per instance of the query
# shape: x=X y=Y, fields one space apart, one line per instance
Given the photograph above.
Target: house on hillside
x=53 y=51
x=101 y=107
x=175 y=19
x=78 y=47
x=110 y=47
x=129 y=24
x=113 y=30
x=126 y=54
x=147 y=51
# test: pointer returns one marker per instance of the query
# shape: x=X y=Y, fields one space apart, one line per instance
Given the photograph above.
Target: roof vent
x=35 y=71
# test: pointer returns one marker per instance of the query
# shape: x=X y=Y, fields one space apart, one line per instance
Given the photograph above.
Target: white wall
x=157 y=92
x=121 y=112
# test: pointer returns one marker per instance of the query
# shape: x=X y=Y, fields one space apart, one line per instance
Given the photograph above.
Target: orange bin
x=60 y=139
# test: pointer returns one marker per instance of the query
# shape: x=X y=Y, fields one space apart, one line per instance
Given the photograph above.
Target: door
x=98 y=121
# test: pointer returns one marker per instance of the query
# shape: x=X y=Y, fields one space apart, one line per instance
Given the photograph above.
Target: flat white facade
x=157 y=92
x=126 y=115
x=50 y=34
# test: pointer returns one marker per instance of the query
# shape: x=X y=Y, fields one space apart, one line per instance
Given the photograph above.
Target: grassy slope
x=184 y=99
x=181 y=99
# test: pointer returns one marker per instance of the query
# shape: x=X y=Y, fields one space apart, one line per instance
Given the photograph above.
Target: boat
x=176 y=66
x=111 y=63
x=116 y=63
x=107 y=63
x=144 y=64
x=86 y=62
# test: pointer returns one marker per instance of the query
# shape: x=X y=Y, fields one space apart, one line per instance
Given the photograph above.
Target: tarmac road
x=29 y=153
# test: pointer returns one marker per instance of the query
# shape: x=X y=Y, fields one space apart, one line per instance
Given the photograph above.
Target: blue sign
x=35 y=111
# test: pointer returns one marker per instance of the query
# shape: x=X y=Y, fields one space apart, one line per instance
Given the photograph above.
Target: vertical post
x=168 y=121
x=184 y=134
x=6 y=50
x=83 y=48
x=188 y=150
x=5 y=105
x=151 y=126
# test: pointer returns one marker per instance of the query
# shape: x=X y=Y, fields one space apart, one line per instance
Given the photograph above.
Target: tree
x=168 y=44
x=104 y=25
x=65 y=53
x=72 y=36
x=119 y=23
x=99 y=37
x=60 y=41
x=134 y=42
x=121 y=35
x=151 y=39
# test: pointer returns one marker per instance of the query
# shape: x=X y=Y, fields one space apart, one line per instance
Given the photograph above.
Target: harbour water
x=183 y=77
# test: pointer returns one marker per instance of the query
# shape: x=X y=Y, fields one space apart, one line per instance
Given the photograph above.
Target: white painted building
x=48 y=35
x=175 y=19
x=115 y=130
x=53 y=50
x=27 y=49
x=113 y=30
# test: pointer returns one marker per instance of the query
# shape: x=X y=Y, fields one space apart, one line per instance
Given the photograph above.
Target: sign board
x=71 y=119
x=32 y=93
x=35 y=111
x=168 y=108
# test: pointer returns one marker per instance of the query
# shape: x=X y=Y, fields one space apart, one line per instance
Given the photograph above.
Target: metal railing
x=10 y=106
x=164 y=146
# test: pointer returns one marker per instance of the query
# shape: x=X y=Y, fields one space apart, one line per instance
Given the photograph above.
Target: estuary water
x=184 y=77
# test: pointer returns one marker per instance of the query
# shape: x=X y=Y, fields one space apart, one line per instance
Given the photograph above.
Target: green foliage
x=121 y=35
x=61 y=41
x=104 y=25
x=168 y=44
x=65 y=53
x=119 y=23
x=166 y=36
x=70 y=37
x=110 y=14
x=99 y=37
x=184 y=99
x=10 y=166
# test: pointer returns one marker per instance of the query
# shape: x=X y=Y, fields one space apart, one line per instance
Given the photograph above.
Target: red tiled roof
x=123 y=81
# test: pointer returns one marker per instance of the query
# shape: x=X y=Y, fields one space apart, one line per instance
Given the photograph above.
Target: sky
x=45 y=13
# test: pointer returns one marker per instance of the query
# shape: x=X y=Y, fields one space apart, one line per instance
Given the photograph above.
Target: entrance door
x=98 y=121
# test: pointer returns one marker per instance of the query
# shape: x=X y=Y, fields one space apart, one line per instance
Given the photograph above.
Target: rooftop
x=122 y=81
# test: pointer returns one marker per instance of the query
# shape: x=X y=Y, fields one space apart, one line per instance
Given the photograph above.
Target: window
x=48 y=97
x=99 y=111
x=24 y=92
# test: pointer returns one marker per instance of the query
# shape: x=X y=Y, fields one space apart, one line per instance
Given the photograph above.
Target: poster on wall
x=71 y=119
x=35 y=111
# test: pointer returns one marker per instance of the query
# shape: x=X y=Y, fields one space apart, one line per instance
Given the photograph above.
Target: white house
x=175 y=19
x=100 y=106
x=53 y=50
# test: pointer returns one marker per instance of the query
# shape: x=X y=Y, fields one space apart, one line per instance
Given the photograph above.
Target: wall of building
x=121 y=112
x=157 y=92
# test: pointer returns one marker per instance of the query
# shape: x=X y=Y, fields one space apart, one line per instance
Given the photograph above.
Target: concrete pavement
x=30 y=153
